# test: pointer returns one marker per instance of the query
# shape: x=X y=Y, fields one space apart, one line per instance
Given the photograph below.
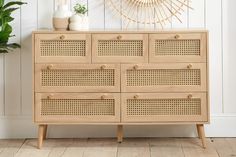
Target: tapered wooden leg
x=202 y=134
x=198 y=132
x=40 y=136
x=45 y=132
x=119 y=133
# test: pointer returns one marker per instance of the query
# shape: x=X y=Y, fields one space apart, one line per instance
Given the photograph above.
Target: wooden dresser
x=120 y=78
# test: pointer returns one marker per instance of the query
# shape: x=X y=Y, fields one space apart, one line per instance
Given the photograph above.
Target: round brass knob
x=190 y=96
x=103 y=67
x=103 y=97
x=189 y=66
x=49 y=67
x=50 y=96
x=177 y=36
x=136 y=97
x=62 y=37
x=119 y=37
x=135 y=67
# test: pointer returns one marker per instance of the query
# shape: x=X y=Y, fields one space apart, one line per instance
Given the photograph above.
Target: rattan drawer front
x=58 y=48
x=77 y=107
x=190 y=47
x=77 y=78
x=119 y=48
x=163 y=77
x=164 y=107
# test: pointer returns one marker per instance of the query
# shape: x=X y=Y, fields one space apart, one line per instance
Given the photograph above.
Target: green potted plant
x=6 y=10
x=80 y=20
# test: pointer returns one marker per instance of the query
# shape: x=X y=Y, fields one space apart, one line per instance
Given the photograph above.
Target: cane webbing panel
x=78 y=77
x=152 y=77
x=120 y=48
x=177 y=47
x=63 y=48
x=78 y=107
x=163 y=107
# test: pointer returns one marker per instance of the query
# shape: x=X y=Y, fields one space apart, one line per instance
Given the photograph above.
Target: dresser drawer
x=164 y=107
x=77 y=78
x=119 y=48
x=62 y=48
x=77 y=107
x=190 y=47
x=163 y=77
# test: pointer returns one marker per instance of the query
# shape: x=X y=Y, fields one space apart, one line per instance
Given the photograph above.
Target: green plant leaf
x=9 y=11
x=5 y=34
x=9 y=19
x=5 y=28
x=3 y=51
x=1 y=3
x=13 y=45
x=80 y=9
x=13 y=3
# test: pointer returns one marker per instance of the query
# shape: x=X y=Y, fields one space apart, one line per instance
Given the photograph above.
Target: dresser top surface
x=50 y=31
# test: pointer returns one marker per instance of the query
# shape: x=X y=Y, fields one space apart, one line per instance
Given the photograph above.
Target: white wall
x=15 y=69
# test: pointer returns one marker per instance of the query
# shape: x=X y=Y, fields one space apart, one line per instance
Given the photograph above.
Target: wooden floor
x=142 y=147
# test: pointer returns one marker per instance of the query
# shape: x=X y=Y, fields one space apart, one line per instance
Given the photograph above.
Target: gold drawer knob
x=103 y=97
x=50 y=96
x=190 y=66
x=49 y=67
x=119 y=37
x=135 y=67
x=136 y=97
x=103 y=67
x=62 y=37
x=190 y=96
x=177 y=36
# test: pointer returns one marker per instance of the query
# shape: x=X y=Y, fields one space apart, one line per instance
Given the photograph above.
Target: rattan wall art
x=149 y=12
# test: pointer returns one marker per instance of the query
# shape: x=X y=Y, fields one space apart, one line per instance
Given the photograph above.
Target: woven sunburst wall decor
x=150 y=12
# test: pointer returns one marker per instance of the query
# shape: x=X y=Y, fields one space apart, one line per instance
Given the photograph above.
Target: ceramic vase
x=61 y=18
x=79 y=22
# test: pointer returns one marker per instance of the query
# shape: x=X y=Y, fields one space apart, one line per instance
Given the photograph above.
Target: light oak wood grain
x=166 y=147
x=134 y=148
x=224 y=147
x=120 y=59
x=101 y=148
x=192 y=148
x=131 y=147
x=9 y=148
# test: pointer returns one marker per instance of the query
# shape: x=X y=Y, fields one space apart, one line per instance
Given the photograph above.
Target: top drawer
x=58 y=48
x=191 y=47
x=120 y=48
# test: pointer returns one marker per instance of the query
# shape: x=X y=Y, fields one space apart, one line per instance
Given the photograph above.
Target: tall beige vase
x=61 y=18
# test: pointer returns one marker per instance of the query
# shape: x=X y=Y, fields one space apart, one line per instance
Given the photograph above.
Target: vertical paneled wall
x=215 y=15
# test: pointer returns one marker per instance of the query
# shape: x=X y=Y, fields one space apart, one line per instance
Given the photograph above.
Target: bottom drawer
x=164 y=107
x=77 y=107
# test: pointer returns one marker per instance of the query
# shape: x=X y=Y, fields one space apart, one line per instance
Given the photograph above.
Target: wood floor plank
x=101 y=148
x=232 y=144
x=134 y=148
x=58 y=146
x=222 y=147
x=9 y=148
x=153 y=147
x=76 y=149
x=29 y=149
x=165 y=147
x=192 y=147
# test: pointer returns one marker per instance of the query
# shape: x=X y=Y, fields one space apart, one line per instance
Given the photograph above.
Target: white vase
x=79 y=22
x=61 y=18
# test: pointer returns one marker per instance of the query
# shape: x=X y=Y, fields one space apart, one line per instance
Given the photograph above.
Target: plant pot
x=61 y=18
x=79 y=22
